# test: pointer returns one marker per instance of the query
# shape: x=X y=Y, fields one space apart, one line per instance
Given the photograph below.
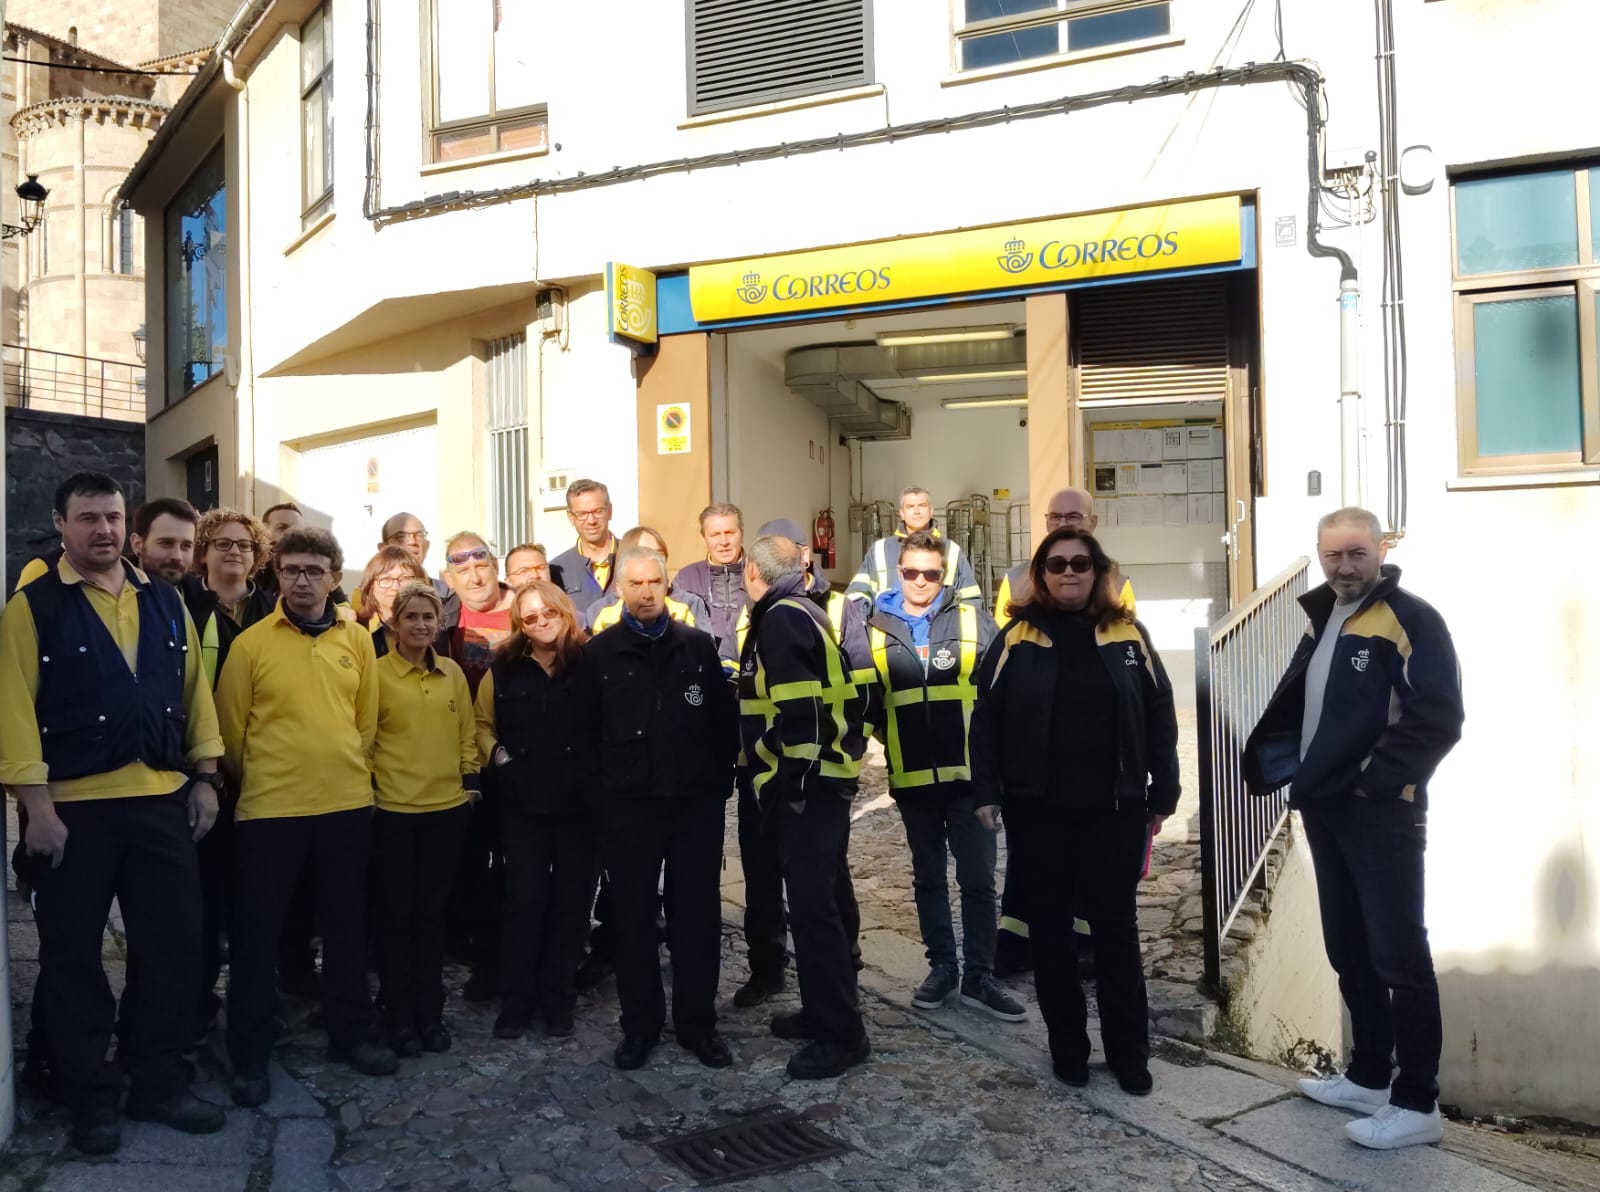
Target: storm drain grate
x=772 y=1139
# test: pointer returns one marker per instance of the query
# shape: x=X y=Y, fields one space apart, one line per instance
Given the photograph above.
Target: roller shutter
x=744 y=52
x=1152 y=340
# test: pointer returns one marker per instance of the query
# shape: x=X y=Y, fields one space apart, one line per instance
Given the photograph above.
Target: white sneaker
x=1392 y=1127
x=1342 y=1093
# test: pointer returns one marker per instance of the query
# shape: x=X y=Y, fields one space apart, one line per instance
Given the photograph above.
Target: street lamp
x=138 y=343
x=30 y=207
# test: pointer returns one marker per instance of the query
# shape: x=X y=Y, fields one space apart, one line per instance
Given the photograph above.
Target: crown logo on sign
x=1016 y=257
x=752 y=291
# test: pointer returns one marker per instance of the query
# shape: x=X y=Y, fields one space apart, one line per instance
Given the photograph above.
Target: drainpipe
x=246 y=381
x=80 y=169
x=1349 y=391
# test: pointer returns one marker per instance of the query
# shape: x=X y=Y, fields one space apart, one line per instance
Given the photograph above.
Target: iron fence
x=39 y=379
x=1237 y=664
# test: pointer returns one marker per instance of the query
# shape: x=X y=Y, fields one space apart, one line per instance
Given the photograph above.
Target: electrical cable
x=113 y=70
x=1395 y=352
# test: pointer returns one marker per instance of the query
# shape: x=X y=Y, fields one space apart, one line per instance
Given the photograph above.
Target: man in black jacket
x=1369 y=707
x=667 y=725
x=801 y=726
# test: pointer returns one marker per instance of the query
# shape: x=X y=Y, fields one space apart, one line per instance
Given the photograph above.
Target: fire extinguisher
x=822 y=540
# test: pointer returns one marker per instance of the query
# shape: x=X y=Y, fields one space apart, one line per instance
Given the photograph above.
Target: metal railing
x=1237 y=665
x=38 y=379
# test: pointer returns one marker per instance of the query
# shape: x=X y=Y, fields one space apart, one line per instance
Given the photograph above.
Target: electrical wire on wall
x=1395 y=365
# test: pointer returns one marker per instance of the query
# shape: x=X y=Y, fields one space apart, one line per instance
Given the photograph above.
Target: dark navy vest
x=96 y=716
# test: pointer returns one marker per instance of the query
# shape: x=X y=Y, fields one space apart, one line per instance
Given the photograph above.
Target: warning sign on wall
x=672 y=429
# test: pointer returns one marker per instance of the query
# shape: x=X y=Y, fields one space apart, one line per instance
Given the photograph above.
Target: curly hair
x=213 y=520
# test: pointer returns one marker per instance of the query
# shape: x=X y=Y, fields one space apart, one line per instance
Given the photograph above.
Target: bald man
x=1069 y=508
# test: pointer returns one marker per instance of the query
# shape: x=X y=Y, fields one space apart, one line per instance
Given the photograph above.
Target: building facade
x=84 y=89
x=799 y=257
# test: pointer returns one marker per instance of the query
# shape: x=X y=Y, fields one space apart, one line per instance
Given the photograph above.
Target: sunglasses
x=932 y=574
x=1061 y=564
x=543 y=617
x=476 y=554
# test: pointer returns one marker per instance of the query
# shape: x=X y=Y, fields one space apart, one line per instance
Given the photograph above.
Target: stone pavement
x=950 y=1099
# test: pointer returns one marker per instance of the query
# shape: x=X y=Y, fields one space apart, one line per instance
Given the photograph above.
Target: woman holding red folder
x=1075 y=740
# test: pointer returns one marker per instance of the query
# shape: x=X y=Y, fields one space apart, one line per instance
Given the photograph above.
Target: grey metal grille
x=506 y=396
x=744 y=52
x=770 y=1139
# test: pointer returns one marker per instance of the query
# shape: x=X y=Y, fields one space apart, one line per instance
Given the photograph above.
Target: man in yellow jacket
x=103 y=710
x=298 y=704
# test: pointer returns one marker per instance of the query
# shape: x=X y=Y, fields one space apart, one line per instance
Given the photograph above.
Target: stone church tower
x=78 y=115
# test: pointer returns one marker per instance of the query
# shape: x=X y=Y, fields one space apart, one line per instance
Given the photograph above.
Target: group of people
x=218 y=736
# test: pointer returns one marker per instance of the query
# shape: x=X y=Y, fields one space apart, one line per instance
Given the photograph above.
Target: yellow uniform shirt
x=21 y=758
x=483 y=714
x=427 y=737
x=299 y=715
x=31 y=570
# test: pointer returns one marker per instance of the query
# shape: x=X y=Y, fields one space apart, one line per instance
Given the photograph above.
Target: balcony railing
x=1237 y=665
x=38 y=379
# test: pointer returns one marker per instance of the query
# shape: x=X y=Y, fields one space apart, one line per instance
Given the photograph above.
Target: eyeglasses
x=390 y=583
x=313 y=575
x=1061 y=564
x=586 y=515
x=932 y=574
x=245 y=546
x=1051 y=519
x=462 y=557
x=543 y=617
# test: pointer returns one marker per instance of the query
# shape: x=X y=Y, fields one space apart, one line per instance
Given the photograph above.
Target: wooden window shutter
x=744 y=52
x=1153 y=339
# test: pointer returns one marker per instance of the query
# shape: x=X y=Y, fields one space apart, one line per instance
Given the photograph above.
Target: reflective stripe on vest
x=612 y=613
x=835 y=693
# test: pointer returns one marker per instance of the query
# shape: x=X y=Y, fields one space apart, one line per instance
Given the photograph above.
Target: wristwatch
x=212 y=779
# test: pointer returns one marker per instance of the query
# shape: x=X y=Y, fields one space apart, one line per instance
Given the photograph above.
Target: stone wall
x=43 y=449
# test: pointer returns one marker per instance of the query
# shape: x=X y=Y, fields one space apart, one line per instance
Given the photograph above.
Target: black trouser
x=216 y=893
x=1089 y=858
x=685 y=834
x=766 y=926
x=1012 y=942
x=551 y=861
x=272 y=854
x=297 y=949
x=1368 y=859
x=140 y=851
x=414 y=861
x=474 y=915
x=811 y=842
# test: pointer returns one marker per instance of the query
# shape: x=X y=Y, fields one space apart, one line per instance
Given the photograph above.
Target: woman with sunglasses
x=541 y=757
x=386 y=572
x=1074 y=738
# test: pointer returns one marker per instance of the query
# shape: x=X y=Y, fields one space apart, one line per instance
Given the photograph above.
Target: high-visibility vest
x=612 y=613
x=928 y=710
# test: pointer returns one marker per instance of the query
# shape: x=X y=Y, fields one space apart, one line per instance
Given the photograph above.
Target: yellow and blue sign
x=631 y=303
x=1169 y=236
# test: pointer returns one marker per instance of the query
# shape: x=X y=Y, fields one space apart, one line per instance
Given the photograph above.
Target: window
x=195 y=259
x=1527 y=281
x=125 y=240
x=744 y=52
x=316 y=115
x=485 y=91
x=506 y=394
x=1000 y=32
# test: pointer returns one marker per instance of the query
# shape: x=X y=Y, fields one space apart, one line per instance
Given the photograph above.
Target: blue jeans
x=935 y=819
x=1368 y=859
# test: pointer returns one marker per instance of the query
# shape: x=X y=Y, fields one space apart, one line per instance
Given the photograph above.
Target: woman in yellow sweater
x=424 y=766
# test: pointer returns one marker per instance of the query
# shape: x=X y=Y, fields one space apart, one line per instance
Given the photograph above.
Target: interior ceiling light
x=983 y=403
x=957 y=375
x=944 y=335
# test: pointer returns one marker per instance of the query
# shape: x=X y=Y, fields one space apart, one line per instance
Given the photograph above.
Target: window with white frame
x=1527 y=283
x=1002 y=32
x=316 y=114
x=485 y=93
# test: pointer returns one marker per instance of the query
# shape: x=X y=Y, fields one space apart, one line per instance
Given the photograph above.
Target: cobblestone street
x=950 y=1099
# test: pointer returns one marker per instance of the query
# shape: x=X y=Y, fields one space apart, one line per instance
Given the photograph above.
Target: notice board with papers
x=1159 y=473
